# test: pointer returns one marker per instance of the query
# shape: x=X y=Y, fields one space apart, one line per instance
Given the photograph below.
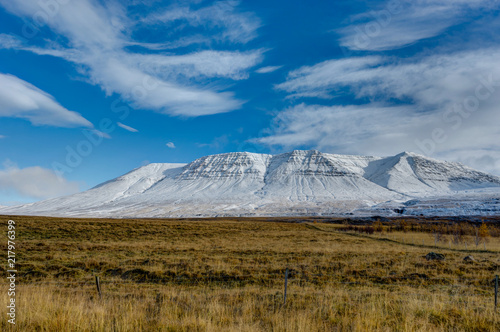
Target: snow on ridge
x=292 y=183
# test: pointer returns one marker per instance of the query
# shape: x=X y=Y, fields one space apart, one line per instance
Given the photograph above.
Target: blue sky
x=92 y=89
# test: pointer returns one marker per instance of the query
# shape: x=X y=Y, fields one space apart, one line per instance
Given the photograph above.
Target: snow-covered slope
x=294 y=183
x=416 y=175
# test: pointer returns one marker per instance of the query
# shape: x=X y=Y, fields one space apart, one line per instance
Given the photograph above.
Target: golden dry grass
x=227 y=275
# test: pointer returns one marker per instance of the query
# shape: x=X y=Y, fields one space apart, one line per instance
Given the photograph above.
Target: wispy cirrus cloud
x=9 y=42
x=199 y=65
x=267 y=69
x=222 y=17
x=343 y=129
x=124 y=126
x=99 y=37
x=398 y=23
x=432 y=80
x=20 y=99
x=322 y=79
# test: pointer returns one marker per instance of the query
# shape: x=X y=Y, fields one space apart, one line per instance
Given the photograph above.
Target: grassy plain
x=228 y=275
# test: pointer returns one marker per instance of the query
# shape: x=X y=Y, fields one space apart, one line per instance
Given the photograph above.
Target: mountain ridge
x=292 y=183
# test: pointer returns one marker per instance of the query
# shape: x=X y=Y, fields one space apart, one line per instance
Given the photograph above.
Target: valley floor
x=228 y=275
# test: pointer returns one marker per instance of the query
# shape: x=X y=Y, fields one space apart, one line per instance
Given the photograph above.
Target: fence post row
x=98 y=285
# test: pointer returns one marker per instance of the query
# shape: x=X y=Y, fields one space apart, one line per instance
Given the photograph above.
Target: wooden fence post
x=286 y=284
x=496 y=291
x=98 y=284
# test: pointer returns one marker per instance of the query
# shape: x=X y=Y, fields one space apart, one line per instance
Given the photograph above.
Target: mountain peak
x=409 y=154
x=292 y=183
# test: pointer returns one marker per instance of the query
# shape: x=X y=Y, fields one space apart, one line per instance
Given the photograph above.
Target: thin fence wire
x=476 y=297
x=477 y=283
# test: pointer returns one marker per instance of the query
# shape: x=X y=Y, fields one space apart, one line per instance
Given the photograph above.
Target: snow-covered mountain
x=294 y=183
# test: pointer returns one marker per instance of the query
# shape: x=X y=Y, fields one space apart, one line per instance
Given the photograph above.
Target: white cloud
x=34 y=182
x=440 y=105
x=100 y=133
x=344 y=129
x=399 y=23
x=427 y=81
x=231 y=65
x=268 y=69
x=98 y=39
x=170 y=145
x=133 y=130
x=223 y=15
x=321 y=79
x=146 y=91
x=21 y=99
x=9 y=41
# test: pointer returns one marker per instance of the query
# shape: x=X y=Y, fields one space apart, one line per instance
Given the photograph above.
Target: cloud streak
x=124 y=126
x=222 y=16
x=433 y=80
x=268 y=69
x=20 y=99
x=400 y=23
x=345 y=129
